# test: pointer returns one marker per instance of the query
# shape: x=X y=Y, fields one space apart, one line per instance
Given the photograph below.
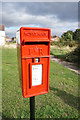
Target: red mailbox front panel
x=34 y=49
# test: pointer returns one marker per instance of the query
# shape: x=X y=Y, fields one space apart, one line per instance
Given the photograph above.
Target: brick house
x=55 y=38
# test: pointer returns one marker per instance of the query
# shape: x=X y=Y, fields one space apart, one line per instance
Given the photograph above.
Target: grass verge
x=60 y=102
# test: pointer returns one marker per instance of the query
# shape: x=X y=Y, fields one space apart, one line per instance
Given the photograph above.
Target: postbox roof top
x=34 y=28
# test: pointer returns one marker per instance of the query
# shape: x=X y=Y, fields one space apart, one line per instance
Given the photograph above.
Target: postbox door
x=35 y=70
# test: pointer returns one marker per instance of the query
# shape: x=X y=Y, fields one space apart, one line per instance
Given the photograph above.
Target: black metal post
x=32 y=108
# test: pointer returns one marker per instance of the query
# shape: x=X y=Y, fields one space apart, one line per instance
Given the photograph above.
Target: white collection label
x=36 y=75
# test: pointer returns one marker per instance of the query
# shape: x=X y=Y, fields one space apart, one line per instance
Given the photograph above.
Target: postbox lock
x=36 y=60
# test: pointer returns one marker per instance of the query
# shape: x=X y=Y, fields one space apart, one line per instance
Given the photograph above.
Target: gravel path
x=68 y=65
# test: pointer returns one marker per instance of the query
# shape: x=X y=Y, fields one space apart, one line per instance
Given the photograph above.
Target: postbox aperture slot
x=34 y=43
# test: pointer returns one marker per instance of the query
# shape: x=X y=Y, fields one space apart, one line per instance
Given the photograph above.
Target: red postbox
x=33 y=50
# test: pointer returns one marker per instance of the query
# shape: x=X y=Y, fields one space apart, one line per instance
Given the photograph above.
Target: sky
x=58 y=16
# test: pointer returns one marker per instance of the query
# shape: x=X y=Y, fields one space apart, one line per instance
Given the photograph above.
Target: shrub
x=52 y=43
x=51 y=51
x=14 y=41
x=74 y=56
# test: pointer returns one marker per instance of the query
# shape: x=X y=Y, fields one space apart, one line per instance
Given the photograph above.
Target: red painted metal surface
x=34 y=43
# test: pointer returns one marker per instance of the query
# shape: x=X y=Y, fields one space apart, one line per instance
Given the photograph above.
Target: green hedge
x=64 y=43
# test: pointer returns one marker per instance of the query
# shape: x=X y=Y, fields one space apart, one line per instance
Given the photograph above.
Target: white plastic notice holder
x=36 y=75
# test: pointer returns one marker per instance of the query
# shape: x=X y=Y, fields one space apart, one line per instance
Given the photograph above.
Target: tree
x=12 y=38
x=76 y=35
x=67 y=36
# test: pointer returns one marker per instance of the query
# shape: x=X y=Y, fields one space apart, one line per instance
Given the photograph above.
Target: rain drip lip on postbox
x=33 y=53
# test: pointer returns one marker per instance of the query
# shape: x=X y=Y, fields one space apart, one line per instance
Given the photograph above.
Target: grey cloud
x=64 y=11
x=40 y=0
x=57 y=16
x=13 y=12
